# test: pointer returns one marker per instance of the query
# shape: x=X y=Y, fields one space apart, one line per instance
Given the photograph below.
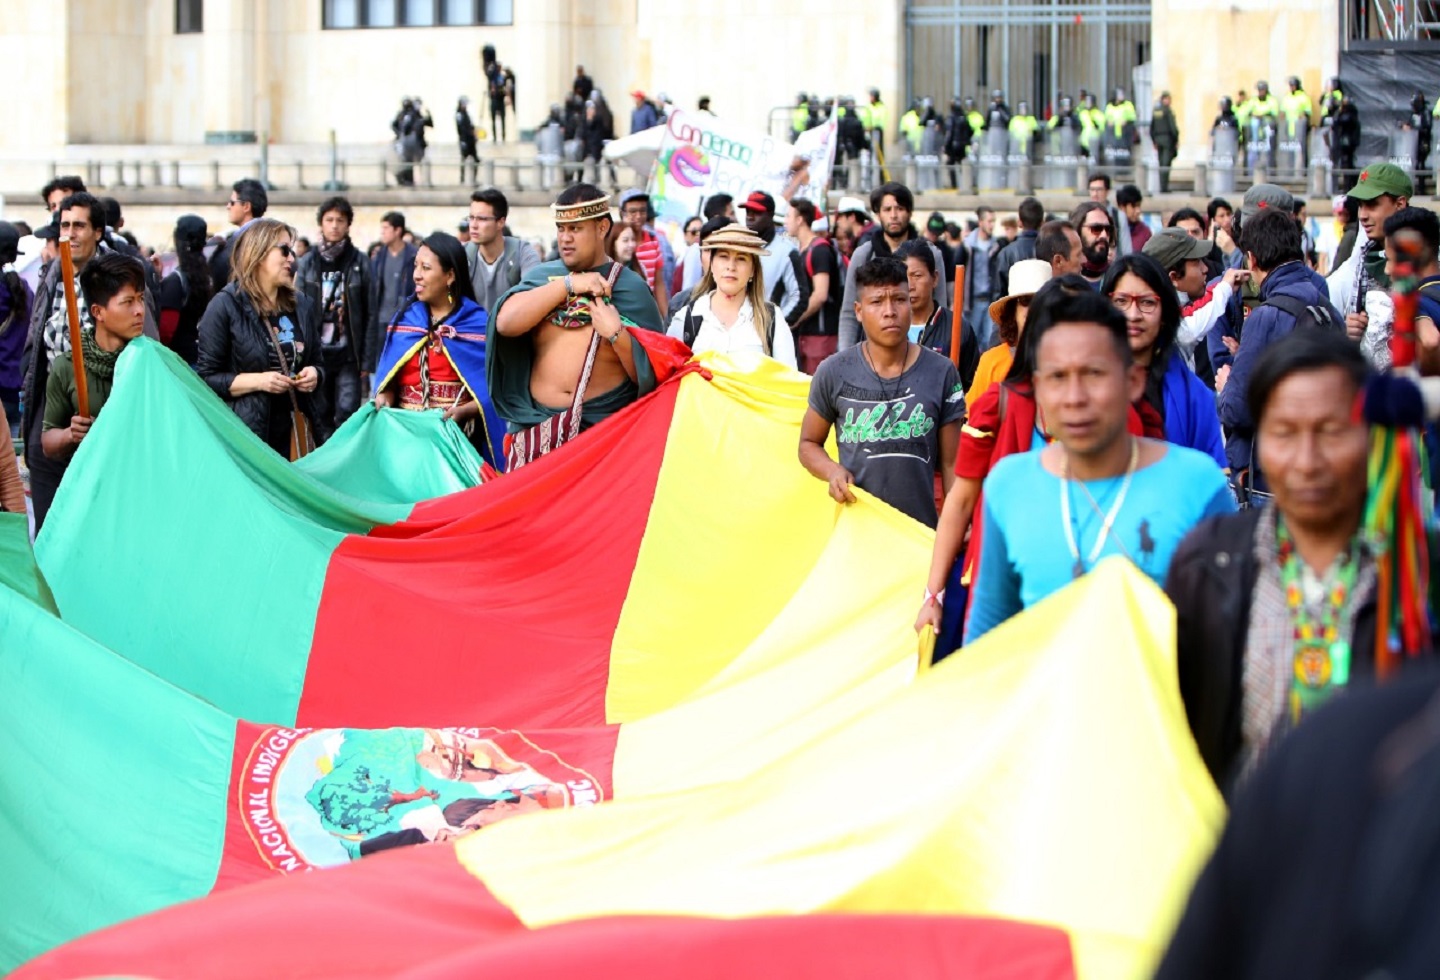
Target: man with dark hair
x=716 y=205
x=392 y=273
x=1032 y=216
x=1288 y=293
x=1097 y=237
x=498 y=261
x=815 y=333
x=60 y=188
x=1192 y=221
x=1309 y=542
x=114 y=288
x=893 y=204
x=1203 y=303
x=934 y=233
x=978 y=251
x=1098 y=187
x=248 y=200
x=540 y=335
x=1218 y=211
x=896 y=407
x=1129 y=199
x=1359 y=288
x=785 y=281
x=81 y=219
x=465 y=134
x=652 y=250
x=1059 y=244
x=1220 y=222
x=1420 y=227
x=1165 y=134
x=336 y=277
x=1196 y=225
x=1119 y=494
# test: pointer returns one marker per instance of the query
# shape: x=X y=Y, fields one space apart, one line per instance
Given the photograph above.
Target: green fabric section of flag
x=166 y=456
x=17 y=562
x=73 y=752
x=395 y=457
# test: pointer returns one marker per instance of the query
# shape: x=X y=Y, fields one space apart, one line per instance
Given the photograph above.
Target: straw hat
x=1026 y=278
x=735 y=238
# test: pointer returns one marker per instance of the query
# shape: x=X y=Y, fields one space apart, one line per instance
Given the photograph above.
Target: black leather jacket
x=1211 y=580
x=235 y=340
x=365 y=335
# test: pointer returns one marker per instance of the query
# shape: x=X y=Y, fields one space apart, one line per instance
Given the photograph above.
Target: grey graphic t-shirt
x=888 y=429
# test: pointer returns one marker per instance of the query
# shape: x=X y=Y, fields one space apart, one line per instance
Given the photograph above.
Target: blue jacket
x=644 y=117
x=1235 y=313
x=465 y=349
x=1190 y=418
x=1264 y=326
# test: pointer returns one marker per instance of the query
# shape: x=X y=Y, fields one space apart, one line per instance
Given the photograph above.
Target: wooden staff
x=72 y=311
x=957 y=314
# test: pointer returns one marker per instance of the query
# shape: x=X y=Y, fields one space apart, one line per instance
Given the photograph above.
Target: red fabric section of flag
x=378 y=917
x=668 y=355
x=418 y=914
x=811 y=947
x=415 y=632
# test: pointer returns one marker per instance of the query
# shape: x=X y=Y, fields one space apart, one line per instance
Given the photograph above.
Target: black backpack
x=1307 y=315
x=693 y=322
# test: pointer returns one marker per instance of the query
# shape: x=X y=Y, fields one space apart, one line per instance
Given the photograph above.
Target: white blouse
x=740 y=336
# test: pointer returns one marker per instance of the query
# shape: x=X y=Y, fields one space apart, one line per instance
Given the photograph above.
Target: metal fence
x=1032 y=51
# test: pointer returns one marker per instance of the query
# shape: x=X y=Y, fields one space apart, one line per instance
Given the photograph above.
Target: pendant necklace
x=899 y=378
x=1082 y=565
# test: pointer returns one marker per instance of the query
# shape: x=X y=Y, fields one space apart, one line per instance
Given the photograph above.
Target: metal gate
x=1032 y=51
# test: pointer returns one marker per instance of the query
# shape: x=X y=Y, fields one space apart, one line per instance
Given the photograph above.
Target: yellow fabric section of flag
x=731 y=475
x=843 y=643
x=1045 y=774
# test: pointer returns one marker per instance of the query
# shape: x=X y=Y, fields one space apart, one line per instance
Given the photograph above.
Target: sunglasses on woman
x=286 y=249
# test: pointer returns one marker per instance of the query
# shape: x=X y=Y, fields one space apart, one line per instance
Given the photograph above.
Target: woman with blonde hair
x=728 y=310
x=259 y=345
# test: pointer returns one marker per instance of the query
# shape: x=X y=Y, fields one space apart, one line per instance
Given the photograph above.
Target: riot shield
x=990 y=172
x=1224 y=153
x=1062 y=158
x=1290 y=153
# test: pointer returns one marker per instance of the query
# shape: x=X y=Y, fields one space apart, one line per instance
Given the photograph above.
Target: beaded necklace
x=1322 y=655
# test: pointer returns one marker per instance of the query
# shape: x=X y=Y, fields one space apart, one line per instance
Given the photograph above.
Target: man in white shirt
x=785 y=279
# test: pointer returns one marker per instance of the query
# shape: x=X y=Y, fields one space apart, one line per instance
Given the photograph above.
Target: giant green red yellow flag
x=1047 y=797
x=660 y=669
x=612 y=581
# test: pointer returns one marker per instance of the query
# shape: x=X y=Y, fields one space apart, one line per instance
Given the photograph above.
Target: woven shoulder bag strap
x=573 y=429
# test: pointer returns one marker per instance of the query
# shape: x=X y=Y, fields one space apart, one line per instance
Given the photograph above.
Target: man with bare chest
x=540 y=336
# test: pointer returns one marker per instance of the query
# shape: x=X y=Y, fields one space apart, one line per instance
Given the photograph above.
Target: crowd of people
x=1179 y=397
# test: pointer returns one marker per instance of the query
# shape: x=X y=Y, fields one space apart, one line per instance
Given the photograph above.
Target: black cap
x=936 y=222
x=48 y=232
